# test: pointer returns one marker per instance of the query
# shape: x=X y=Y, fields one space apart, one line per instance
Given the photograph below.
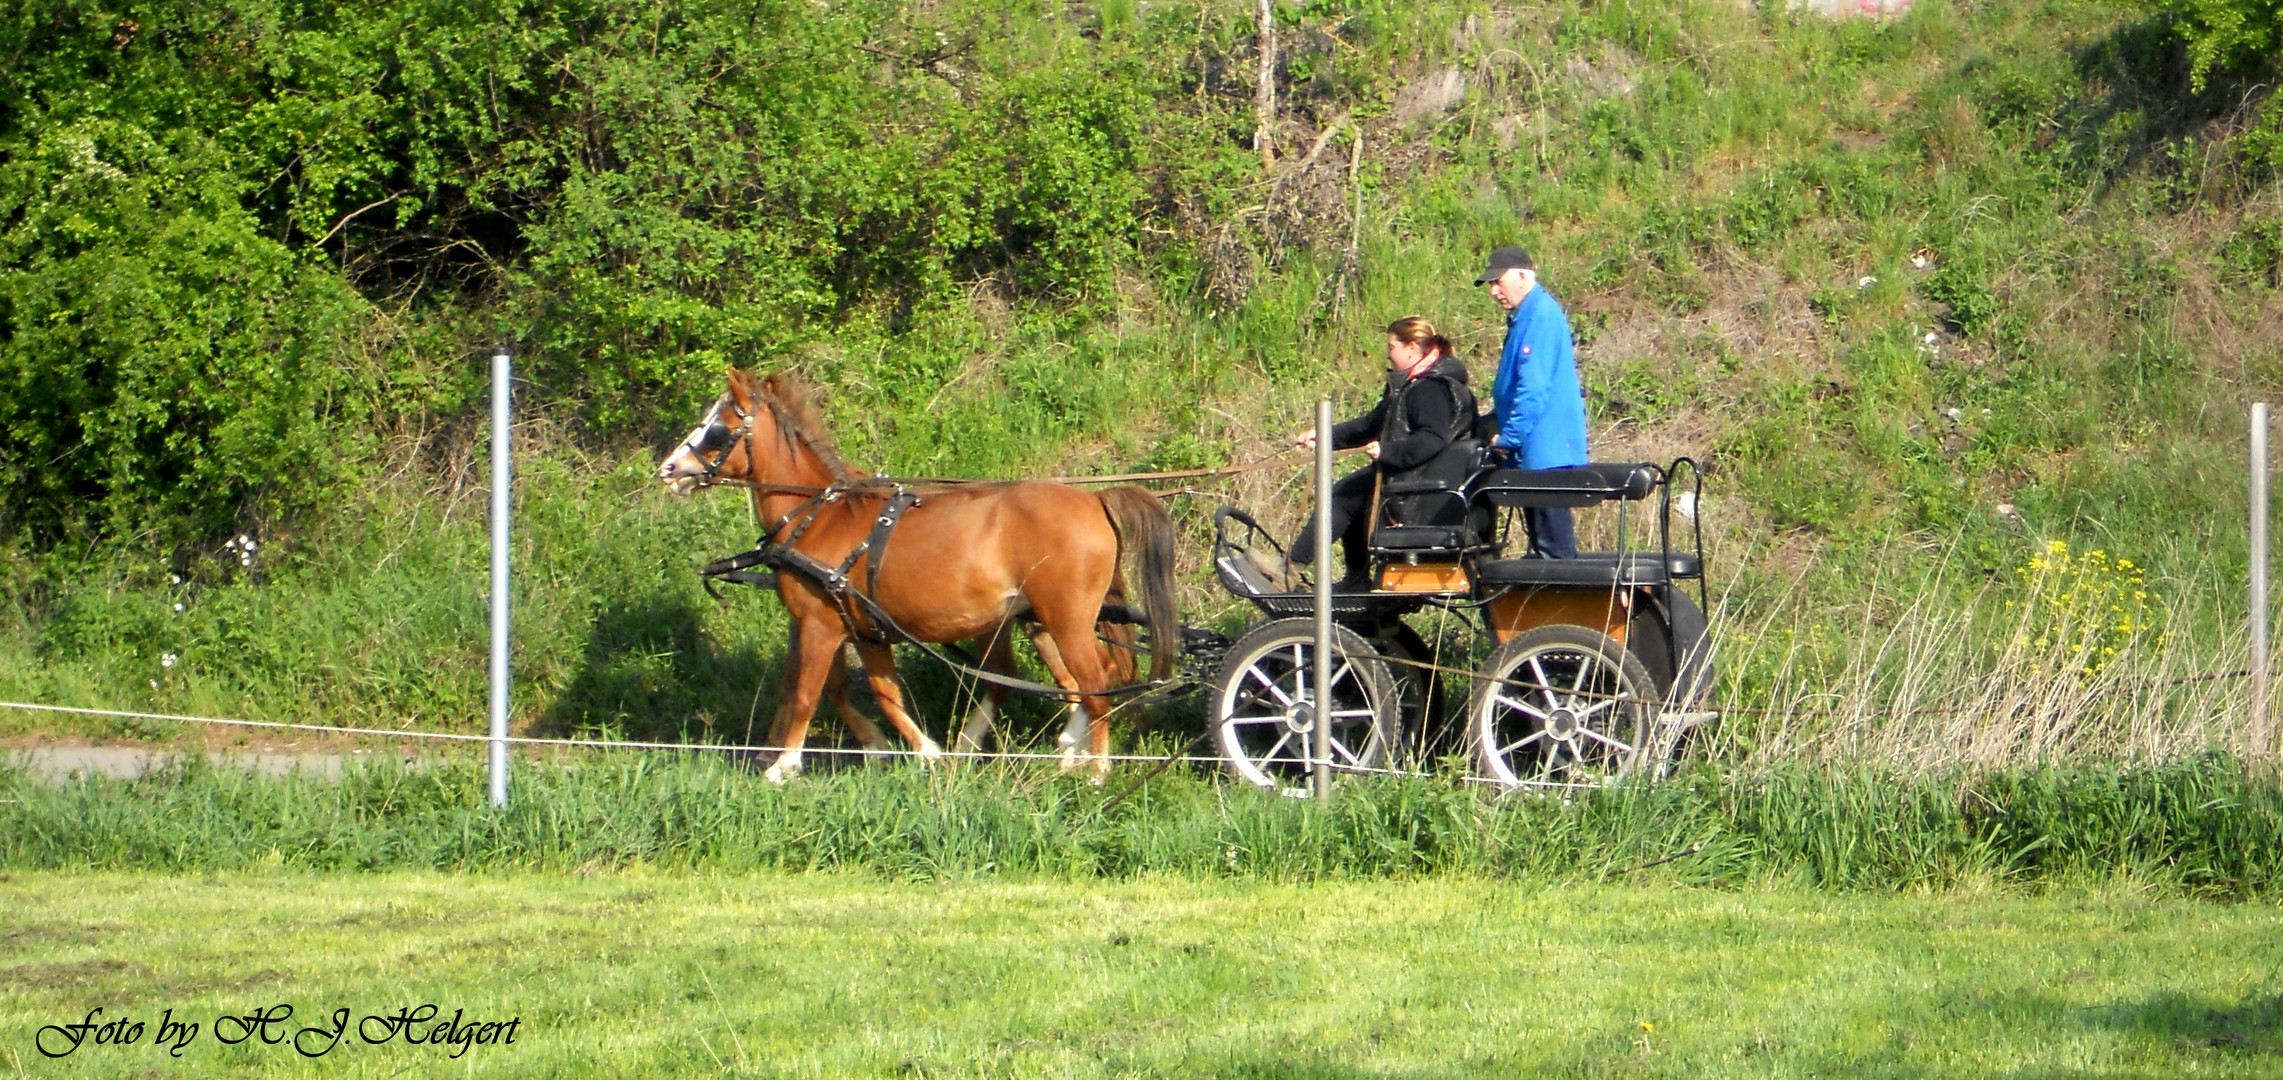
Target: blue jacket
x=1539 y=408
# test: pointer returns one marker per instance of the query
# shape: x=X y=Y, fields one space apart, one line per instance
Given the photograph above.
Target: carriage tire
x=1264 y=739
x=1586 y=721
x=1673 y=639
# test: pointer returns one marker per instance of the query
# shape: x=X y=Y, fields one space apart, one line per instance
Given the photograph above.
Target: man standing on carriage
x=1537 y=407
x=1425 y=408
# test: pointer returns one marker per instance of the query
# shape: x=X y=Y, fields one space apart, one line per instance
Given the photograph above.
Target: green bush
x=213 y=215
x=2222 y=32
x=165 y=363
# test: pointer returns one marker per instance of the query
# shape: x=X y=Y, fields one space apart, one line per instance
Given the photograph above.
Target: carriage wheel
x=1562 y=705
x=1265 y=708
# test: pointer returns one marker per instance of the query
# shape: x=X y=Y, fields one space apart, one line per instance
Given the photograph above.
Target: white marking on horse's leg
x=1074 y=738
x=970 y=739
x=930 y=751
x=788 y=766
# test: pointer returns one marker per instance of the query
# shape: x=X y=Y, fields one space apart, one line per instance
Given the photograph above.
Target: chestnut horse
x=963 y=562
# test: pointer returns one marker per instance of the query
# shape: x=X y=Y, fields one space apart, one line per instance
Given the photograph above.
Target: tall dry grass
x=2072 y=656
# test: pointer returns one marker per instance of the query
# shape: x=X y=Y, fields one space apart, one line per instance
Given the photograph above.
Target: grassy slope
x=836 y=976
x=1706 y=187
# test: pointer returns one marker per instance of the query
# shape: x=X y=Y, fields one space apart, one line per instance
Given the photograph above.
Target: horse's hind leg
x=836 y=690
x=880 y=667
x=1081 y=670
x=1073 y=729
x=1117 y=660
x=998 y=656
x=1119 y=643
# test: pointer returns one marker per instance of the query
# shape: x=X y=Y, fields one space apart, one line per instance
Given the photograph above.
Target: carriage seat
x=1583 y=485
x=1428 y=516
x=1592 y=568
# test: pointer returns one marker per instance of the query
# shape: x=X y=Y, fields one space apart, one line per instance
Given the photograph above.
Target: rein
x=960 y=481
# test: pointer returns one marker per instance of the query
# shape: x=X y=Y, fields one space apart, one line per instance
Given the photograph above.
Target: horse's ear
x=742 y=388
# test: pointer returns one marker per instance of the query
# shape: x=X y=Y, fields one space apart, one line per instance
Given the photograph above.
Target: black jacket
x=1415 y=421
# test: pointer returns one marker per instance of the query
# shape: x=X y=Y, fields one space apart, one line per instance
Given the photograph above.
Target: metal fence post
x=501 y=474
x=2258 y=734
x=1321 y=748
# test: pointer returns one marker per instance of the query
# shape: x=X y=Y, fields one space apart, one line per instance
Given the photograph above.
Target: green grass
x=647 y=974
x=2204 y=827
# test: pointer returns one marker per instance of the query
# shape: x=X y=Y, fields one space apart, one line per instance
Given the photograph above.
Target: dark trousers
x=1351 y=522
x=1553 y=531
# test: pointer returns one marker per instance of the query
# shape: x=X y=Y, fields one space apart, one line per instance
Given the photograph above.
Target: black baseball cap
x=1502 y=260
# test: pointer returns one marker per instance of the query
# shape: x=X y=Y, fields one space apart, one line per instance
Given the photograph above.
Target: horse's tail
x=1145 y=539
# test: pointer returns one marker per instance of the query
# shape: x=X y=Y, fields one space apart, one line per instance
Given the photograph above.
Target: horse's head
x=761 y=431
x=721 y=446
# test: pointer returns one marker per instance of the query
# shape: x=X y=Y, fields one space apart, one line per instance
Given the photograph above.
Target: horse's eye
x=715 y=437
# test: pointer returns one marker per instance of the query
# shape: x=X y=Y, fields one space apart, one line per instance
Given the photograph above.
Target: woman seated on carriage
x=1425 y=408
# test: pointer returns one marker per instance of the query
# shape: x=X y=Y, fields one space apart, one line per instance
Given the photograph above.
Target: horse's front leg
x=816 y=648
x=880 y=667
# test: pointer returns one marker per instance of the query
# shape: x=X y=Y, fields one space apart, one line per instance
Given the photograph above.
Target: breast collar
x=834 y=580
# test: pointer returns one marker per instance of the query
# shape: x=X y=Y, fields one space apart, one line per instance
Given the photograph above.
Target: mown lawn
x=644 y=974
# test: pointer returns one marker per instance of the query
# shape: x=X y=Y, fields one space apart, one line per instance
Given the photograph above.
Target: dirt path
x=124 y=762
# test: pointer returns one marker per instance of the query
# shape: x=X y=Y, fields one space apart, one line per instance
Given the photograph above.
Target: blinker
x=716 y=437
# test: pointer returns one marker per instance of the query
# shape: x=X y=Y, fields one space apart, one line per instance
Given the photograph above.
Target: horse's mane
x=788 y=398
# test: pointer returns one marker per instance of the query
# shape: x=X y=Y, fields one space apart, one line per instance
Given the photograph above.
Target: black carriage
x=1602 y=667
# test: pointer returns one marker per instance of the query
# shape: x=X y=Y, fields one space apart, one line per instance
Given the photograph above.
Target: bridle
x=718 y=439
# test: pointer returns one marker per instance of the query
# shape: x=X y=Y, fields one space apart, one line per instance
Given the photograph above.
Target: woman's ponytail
x=1418 y=331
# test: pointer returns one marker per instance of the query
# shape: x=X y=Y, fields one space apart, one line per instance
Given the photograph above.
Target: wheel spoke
x=1511 y=703
x=1353 y=713
x=1270 y=755
x=1281 y=697
x=1272 y=718
x=1603 y=704
x=1601 y=738
x=1521 y=742
x=1340 y=749
x=1584 y=668
x=1345 y=668
x=1545 y=684
x=1553 y=759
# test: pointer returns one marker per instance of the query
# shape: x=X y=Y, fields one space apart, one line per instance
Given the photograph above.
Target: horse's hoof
x=788 y=766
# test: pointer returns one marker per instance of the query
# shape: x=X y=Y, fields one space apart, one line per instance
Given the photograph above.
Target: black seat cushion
x=1591 y=568
x=1583 y=485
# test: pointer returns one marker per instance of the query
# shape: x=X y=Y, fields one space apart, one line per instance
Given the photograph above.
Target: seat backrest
x=1454 y=468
